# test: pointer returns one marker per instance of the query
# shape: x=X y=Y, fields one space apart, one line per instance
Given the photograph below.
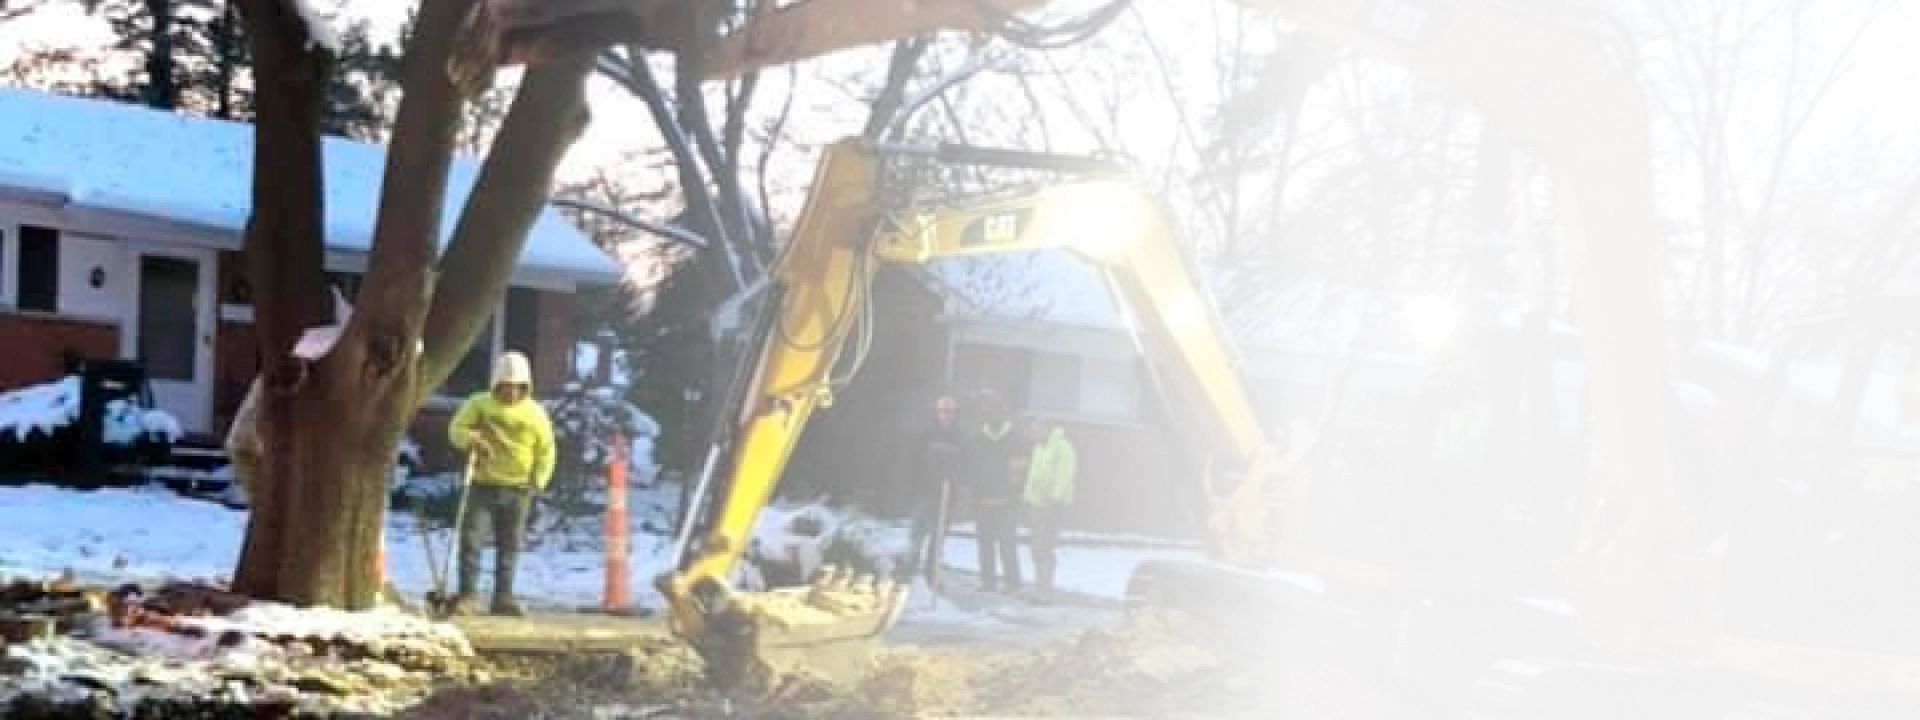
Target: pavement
x=561 y=632
x=957 y=614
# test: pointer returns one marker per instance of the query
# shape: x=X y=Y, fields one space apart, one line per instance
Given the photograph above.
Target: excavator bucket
x=753 y=643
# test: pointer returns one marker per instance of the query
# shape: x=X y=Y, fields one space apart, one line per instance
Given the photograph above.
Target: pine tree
x=194 y=59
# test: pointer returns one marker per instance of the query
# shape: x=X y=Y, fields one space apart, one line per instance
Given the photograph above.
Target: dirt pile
x=1149 y=667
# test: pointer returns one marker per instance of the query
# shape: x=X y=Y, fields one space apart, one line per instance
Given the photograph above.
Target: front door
x=172 y=331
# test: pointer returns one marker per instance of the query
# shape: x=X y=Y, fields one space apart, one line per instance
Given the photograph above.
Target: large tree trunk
x=332 y=426
x=284 y=248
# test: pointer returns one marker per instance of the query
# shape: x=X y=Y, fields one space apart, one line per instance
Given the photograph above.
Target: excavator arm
x=1128 y=236
x=821 y=293
x=819 y=285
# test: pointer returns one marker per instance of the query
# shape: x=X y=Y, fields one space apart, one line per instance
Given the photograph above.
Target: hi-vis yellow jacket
x=1051 y=472
x=519 y=438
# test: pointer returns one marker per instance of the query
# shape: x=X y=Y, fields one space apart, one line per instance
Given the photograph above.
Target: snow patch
x=591 y=417
x=792 y=535
x=316 y=342
x=43 y=408
x=319 y=29
x=46 y=408
x=230 y=659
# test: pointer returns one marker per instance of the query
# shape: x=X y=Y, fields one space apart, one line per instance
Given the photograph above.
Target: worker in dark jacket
x=934 y=465
x=995 y=467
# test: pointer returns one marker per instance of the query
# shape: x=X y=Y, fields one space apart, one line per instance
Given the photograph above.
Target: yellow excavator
x=846 y=230
x=1641 y=581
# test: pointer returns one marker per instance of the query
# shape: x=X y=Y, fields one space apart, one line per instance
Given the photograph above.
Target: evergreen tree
x=194 y=59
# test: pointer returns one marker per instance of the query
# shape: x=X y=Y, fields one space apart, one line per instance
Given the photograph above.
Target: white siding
x=83 y=261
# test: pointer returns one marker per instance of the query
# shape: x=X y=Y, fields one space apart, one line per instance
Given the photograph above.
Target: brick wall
x=33 y=348
x=552 y=351
x=235 y=358
x=235 y=362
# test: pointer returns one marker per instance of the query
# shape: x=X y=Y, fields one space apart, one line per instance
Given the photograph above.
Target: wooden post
x=615 y=598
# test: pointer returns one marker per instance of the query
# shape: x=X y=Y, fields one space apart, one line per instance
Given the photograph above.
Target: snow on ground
x=154 y=534
x=1097 y=571
x=45 y=408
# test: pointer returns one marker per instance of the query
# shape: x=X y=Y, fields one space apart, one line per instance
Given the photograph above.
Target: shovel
x=440 y=602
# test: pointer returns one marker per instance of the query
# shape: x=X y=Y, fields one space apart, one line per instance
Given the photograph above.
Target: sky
x=620 y=122
x=1860 y=102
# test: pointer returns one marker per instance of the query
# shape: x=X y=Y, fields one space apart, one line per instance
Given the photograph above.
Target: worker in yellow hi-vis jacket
x=509 y=439
x=1051 y=474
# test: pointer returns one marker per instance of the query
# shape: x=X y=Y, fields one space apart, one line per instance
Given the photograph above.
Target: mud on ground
x=1145 y=668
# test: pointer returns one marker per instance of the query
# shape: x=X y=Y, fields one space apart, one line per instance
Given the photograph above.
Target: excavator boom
x=820 y=285
x=1128 y=236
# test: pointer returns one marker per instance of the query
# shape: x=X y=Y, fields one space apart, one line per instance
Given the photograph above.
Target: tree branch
x=775 y=133
x=15 y=10
x=637 y=77
x=285 y=233
x=407 y=230
x=698 y=123
x=893 y=91
x=549 y=113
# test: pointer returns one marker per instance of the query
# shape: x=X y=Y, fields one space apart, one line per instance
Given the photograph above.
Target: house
x=120 y=228
x=1042 y=328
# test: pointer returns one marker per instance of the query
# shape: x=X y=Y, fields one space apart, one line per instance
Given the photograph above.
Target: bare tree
x=16 y=9
x=1742 y=87
x=332 y=423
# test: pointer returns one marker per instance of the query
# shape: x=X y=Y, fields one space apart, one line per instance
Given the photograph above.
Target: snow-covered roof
x=1057 y=287
x=124 y=158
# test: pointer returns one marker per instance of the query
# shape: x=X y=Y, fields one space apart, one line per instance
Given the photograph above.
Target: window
x=1055 y=385
x=36 y=280
x=1109 y=389
x=1081 y=387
